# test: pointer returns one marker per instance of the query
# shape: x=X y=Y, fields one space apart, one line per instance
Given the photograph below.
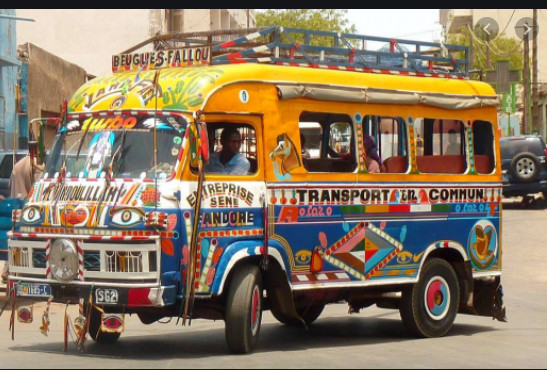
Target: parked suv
x=524 y=167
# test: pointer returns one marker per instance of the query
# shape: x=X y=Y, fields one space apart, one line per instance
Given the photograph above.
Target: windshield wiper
x=119 y=150
x=82 y=141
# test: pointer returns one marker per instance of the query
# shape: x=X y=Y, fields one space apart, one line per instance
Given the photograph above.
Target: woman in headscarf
x=372 y=159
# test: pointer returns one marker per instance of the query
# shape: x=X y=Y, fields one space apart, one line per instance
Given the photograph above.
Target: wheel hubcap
x=525 y=167
x=255 y=310
x=437 y=298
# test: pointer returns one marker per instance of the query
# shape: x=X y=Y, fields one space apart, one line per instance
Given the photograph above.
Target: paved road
x=372 y=339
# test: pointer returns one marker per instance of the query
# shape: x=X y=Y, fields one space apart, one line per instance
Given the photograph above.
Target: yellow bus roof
x=187 y=89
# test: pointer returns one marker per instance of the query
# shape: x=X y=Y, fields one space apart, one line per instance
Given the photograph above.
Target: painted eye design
x=31 y=215
x=127 y=217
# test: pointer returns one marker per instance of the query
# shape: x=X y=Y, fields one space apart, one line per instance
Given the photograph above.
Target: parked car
x=6 y=166
x=524 y=166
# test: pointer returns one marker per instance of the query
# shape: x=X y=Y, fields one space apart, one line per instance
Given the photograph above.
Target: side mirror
x=36 y=139
x=198 y=144
x=204 y=142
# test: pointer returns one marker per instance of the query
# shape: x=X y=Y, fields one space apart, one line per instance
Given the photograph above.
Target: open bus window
x=244 y=162
x=390 y=136
x=443 y=148
x=483 y=146
x=327 y=142
x=311 y=134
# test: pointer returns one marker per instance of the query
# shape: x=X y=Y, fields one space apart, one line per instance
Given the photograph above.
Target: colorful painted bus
x=128 y=217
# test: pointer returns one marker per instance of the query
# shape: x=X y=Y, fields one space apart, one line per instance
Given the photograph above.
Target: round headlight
x=63 y=260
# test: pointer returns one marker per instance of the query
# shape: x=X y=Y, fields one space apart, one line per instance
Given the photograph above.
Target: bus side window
x=389 y=133
x=443 y=146
x=327 y=142
x=483 y=146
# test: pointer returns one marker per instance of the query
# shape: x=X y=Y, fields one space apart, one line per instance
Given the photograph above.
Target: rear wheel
x=95 y=329
x=244 y=310
x=525 y=167
x=429 y=307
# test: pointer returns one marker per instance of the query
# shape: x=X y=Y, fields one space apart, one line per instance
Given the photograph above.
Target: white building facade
x=89 y=37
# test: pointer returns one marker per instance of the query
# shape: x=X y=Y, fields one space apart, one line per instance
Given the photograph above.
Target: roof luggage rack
x=305 y=48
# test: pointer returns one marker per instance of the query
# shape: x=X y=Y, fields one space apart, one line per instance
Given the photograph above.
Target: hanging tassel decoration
x=44 y=328
x=12 y=318
x=65 y=328
x=84 y=329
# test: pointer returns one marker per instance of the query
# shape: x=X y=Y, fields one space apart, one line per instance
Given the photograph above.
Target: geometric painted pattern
x=363 y=251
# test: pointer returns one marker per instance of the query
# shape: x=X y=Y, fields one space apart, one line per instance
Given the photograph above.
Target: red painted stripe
x=234 y=56
x=399 y=208
x=227 y=44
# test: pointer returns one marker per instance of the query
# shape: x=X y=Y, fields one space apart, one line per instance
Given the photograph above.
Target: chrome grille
x=103 y=261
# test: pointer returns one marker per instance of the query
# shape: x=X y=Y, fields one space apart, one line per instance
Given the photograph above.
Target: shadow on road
x=274 y=337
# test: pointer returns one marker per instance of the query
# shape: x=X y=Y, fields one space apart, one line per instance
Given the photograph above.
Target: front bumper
x=125 y=296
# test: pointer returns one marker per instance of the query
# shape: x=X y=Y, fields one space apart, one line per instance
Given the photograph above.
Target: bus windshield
x=124 y=145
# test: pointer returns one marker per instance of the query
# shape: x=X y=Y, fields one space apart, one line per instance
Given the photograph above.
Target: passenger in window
x=372 y=159
x=453 y=147
x=229 y=160
x=419 y=145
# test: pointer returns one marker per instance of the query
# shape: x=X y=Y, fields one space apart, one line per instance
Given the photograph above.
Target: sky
x=409 y=24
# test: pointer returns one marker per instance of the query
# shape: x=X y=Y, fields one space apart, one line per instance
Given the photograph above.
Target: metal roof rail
x=323 y=49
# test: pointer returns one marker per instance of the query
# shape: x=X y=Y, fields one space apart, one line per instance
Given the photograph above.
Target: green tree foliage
x=333 y=20
x=501 y=48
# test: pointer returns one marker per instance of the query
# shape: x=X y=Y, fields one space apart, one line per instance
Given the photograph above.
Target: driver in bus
x=229 y=160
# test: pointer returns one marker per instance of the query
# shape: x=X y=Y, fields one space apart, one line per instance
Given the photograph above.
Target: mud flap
x=280 y=298
x=488 y=299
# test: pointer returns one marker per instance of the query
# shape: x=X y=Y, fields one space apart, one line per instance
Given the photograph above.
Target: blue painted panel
x=8 y=76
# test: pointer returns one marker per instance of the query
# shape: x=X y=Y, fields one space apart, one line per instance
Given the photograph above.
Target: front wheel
x=429 y=307
x=244 y=310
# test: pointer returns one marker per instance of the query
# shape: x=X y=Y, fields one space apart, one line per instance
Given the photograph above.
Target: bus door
x=231 y=216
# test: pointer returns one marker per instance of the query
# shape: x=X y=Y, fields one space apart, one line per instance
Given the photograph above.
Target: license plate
x=106 y=296
x=32 y=290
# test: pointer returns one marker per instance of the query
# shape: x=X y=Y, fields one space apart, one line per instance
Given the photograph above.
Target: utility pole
x=488 y=66
x=526 y=83
x=535 y=103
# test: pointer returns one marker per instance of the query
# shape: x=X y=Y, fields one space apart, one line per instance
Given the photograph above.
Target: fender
x=239 y=251
x=443 y=244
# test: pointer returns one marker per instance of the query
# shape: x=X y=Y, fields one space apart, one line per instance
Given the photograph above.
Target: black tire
x=525 y=167
x=244 y=309
x=95 y=332
x=308 y=313
x=429 y=307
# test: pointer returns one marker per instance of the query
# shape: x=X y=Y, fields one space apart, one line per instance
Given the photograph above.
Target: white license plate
x=32 y=290
x=106 y=296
